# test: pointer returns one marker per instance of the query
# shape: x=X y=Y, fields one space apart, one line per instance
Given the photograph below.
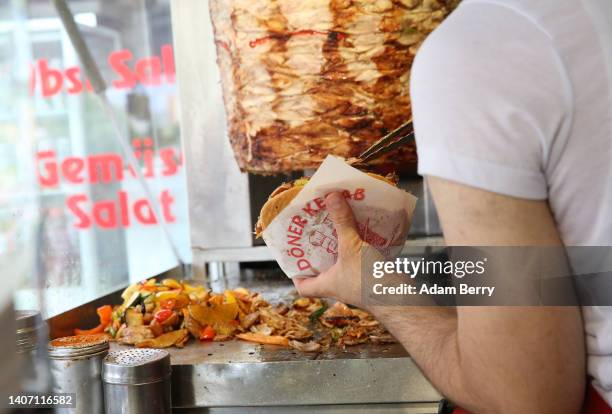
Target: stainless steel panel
x=151 y=398
x=219 y=202
x=302 y=383
x=415 y=408
x=238 y=373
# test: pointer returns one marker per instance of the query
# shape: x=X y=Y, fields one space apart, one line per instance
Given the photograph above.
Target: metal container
x=76 y=367
x=30 y=332
x=137 y=381
x=30 y=328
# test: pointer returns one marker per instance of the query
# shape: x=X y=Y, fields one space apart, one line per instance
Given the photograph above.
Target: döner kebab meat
x=304 y=79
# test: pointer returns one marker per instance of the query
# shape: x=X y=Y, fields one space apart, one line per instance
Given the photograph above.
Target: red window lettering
x=166 y=203
x=117 y=61
x=101 y=168
x=149 y=71
x=50 y=177
x=105 y=214
x=168 y=60
x=73 y=80
x=73 y=204
x=108 y=214
x=51 y=80
x=171 y=163
x=143 y=212
x=72 y=167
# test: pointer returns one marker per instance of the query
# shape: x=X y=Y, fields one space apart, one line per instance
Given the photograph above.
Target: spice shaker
x=29 y=326
x=137 y=381
x=76 y=367
x=30 y=331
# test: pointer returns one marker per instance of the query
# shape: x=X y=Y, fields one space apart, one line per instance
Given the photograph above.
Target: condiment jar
x=30 y=332
x=30 y=327
x=76 y=367
x=137 y=381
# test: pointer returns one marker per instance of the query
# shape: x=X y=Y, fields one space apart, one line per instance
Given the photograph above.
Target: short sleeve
x=489 y=97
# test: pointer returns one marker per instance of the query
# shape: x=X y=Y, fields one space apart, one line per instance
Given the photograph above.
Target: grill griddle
x=240 y=373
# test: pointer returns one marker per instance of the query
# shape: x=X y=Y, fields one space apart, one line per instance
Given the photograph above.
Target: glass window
x=74 y=216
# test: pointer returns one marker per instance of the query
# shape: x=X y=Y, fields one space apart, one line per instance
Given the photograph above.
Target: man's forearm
x=429 y=334
x=498 y=370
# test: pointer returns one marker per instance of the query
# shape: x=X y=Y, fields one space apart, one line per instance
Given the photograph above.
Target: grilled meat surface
x=304 y=79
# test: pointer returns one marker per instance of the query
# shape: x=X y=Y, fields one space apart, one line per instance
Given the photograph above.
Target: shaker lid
x=29 y=327
x=73 y=347
x=27 y=320
x=136 y=366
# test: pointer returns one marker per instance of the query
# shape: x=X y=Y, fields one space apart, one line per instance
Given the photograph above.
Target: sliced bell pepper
x=207 y=334
x=162 y=314
x=106 y=314
x=97 y=330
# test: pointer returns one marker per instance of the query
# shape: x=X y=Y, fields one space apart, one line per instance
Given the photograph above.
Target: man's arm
x=495 y=359
x=485 y=359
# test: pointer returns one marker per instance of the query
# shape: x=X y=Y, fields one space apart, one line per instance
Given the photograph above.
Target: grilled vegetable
x=133 y=317
x=207 y=333
x=105 y=313
x=317 y=314
x=170 y=313
x=264 y=339
x=98 y=329
x=133 y=335
x=162 y=314
x=164 y=341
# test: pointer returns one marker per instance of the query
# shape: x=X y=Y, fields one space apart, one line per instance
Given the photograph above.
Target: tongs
x=400 y=136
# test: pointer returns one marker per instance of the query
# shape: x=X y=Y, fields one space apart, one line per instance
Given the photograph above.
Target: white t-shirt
x=515 y=97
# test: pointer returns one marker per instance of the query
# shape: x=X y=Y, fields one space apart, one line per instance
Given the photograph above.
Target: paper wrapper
x=302 y=237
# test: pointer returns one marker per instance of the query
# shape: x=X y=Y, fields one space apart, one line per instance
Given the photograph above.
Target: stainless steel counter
x=226 y=377
x=412 y=408
x=237 y=373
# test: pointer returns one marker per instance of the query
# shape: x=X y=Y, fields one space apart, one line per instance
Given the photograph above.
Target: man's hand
x=343 y=280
